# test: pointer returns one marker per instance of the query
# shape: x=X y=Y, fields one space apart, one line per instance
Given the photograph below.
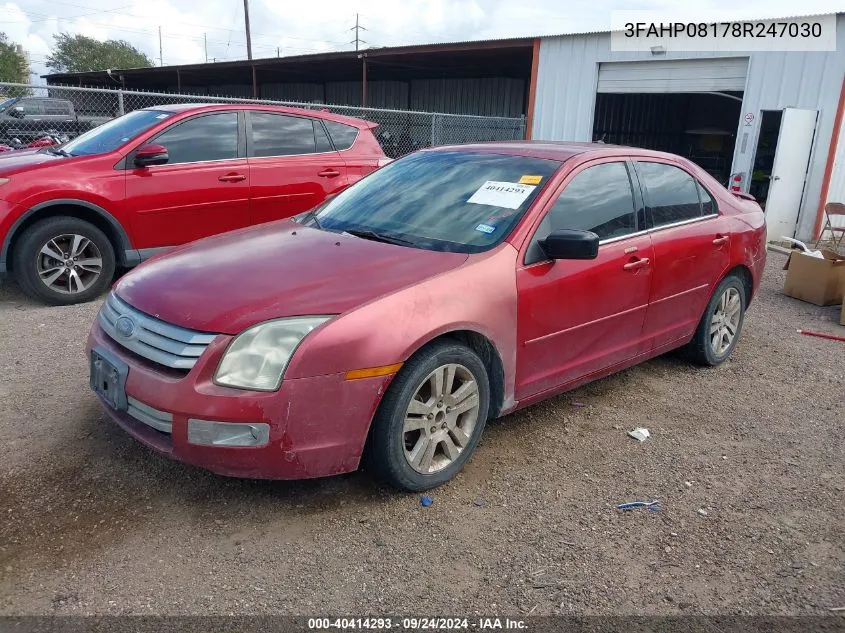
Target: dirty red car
x=163 y=176
x=453 y=286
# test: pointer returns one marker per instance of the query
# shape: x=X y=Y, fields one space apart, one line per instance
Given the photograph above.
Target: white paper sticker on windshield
x=508 y=195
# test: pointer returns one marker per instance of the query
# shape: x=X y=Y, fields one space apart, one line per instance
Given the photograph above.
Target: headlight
x=257 y=358
x=3 y=181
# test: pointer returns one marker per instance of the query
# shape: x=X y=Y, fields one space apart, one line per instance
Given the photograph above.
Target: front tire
x=63 y=260
x=720 y=325
x=431 y=418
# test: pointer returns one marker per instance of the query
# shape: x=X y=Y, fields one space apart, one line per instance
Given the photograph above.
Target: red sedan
x=453 y=286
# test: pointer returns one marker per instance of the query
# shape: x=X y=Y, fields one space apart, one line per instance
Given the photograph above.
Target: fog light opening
x=211 y=433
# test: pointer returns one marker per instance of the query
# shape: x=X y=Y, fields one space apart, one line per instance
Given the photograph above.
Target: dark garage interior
x=698 y=126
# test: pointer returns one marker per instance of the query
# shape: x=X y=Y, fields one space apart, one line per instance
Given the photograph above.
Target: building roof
x=501 y=58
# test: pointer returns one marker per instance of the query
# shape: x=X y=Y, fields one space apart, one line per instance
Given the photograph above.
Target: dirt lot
x=747 y=460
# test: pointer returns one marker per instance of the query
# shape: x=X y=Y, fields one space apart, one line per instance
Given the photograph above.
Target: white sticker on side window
x=507 y=195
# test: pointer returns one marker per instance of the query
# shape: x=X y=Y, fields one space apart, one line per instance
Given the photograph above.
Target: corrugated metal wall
x=568 y=76
x=486 y=97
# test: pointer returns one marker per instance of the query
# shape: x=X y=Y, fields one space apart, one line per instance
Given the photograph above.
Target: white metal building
x=762 y=120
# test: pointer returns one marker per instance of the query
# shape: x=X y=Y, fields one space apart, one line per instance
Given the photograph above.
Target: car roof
x=179 y=108
x=555 y=150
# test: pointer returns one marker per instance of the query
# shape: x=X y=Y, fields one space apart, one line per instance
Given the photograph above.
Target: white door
x=789 y=171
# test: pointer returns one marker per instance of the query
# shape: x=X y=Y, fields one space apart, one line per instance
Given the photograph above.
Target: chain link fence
x=29 y=113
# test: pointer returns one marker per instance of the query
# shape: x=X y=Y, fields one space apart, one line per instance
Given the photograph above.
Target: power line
x=181 y=37
x=119 y=11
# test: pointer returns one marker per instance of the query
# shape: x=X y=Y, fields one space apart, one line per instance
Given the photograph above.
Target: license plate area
x=108 y=378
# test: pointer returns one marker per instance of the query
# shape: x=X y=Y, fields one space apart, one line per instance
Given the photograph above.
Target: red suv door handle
x=721 y=239
x=329 y=173
x=636 y=264
x=232 y=178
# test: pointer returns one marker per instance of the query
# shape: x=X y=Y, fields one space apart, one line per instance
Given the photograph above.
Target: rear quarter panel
x=363 y=157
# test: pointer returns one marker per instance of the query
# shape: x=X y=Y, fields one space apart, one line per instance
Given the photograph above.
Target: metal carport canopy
x=715 y=74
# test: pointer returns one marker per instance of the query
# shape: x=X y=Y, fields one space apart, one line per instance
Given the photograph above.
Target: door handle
x=636 y=264
x=329 y=173
x=721 y=239
x=232 y=178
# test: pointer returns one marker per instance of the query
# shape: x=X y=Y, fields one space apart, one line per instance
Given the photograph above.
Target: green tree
x=13 y=66
x=78 y=53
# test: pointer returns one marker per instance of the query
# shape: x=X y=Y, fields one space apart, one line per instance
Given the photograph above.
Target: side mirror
x=571 y=244
x=151 y=154
x=17 y=112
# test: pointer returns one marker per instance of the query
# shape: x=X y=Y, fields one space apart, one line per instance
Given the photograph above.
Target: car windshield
x=446 y=200
x=6 y=103
x=112 y=134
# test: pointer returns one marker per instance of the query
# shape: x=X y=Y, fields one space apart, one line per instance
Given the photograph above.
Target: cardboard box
x=816 y=280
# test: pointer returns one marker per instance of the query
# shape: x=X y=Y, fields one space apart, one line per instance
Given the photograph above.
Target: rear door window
x=343 y=136
x=598 y=199
x=281 y=135
x=57 y=108
x=671 y=193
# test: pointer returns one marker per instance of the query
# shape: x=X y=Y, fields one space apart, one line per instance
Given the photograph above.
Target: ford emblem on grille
x=125 y=326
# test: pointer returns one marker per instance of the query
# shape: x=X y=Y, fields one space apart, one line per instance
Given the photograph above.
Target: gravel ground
x=747 y=460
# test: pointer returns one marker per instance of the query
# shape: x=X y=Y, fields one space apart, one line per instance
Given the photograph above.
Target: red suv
x=163 y=176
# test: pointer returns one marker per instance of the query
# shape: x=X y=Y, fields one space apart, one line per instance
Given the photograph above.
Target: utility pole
x=278 y=53
x=246 y=25
x=363 y=58
x=205 y=46
x=160 y=55
x=357 y=28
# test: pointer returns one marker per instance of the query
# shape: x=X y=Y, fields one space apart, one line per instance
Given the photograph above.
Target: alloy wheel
x=725 y=321
x=440 y=418
x=69 y=263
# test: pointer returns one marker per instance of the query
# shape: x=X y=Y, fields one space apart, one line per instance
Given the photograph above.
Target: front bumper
x=318 y=425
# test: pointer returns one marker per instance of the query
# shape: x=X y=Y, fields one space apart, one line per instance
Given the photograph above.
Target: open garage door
x=718 y=74
x=689 y=107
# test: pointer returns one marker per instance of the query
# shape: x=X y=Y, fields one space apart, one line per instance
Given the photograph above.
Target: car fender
x=124 y=253
x=479 y=296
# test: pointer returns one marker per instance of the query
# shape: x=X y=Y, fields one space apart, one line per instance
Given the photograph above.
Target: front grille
x=159 y=420
x=153 y=339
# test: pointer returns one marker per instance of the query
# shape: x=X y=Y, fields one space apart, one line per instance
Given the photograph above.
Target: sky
x=294 y=27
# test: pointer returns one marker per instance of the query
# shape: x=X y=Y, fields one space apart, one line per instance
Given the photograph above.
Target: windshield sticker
x=530 y=180
x=162 y=116
x=485 y=228
x=508 y=195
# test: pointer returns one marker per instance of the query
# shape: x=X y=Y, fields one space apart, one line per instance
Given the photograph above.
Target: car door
x=202 y=190
x=293 y=166
x=578 y=317
x=691 y=250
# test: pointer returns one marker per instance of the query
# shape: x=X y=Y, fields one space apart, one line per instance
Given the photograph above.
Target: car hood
x=21 y=159
x=229 y=282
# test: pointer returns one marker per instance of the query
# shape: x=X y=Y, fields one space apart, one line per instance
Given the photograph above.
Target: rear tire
x=422 y=434
x=720 y=325
x=63 y=260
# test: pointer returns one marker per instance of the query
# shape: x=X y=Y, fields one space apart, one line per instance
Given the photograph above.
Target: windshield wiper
x=58 y=151
x=311 y=215
x=375 y=236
